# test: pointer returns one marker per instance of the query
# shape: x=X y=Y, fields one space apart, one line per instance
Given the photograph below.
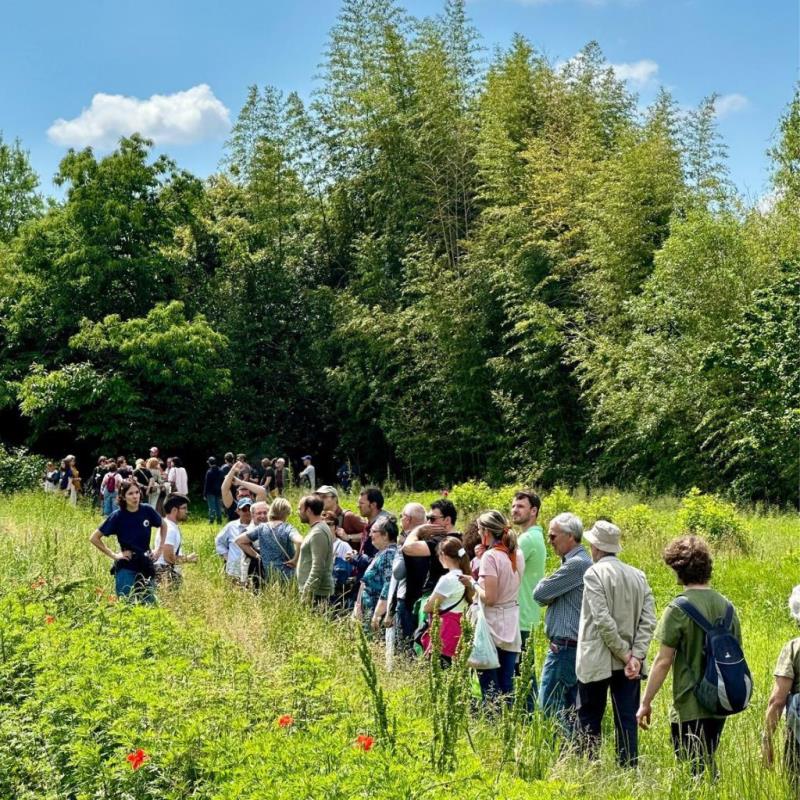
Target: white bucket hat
x=604 y=536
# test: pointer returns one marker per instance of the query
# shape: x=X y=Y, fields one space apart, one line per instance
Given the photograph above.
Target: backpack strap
x=728 y=621
x=691 y=611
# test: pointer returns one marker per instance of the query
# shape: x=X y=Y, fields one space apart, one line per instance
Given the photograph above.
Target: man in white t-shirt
x=168 y=552
x=178 y=478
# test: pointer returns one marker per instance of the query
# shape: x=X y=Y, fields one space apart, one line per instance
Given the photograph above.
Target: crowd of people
x=393 y=573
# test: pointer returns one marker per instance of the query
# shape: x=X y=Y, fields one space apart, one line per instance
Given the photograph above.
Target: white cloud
x=639 y=73
x=180 y=118
x=729 y=104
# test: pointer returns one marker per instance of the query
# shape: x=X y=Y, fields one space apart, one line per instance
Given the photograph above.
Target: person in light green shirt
x=525 y=514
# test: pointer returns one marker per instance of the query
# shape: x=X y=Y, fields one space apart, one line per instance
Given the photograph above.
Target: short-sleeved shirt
x=788 y=665
x=677 y=630
x=226 y=546
x=435 y=568
x=133 y=530
x=452 y=591
x=503 y=616
x=275 y=545
x=173 y=537
x=532 y=545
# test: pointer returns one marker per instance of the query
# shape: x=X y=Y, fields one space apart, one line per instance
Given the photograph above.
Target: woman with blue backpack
x=786 y=695
x=700 y=640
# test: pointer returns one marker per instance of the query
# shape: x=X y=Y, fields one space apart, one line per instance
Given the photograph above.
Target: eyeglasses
x=433 y=517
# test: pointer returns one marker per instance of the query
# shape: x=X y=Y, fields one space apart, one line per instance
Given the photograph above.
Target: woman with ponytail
x=501 y=569
x=449 y=597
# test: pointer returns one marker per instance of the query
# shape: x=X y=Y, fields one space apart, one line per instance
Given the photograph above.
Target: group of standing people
x=392 y=574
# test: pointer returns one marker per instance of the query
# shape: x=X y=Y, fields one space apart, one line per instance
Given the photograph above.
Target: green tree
x=19 y=198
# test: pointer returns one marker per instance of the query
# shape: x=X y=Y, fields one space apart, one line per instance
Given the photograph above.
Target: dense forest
x=443 y=265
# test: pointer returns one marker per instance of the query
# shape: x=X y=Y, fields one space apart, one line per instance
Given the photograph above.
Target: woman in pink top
x=501 y=569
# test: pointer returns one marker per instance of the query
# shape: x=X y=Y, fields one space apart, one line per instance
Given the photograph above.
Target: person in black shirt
x=132 y=523
x=423 y=568
x=212 y=491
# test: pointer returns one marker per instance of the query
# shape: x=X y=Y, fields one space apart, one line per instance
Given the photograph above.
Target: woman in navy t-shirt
x=132 y=523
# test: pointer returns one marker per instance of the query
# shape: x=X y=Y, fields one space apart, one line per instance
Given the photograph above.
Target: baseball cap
x=306 y=458
x=327 y=490
x=245 y=502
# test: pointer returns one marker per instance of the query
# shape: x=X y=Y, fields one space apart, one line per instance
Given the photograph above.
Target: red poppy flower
x=137 y=759
x=365 y=742
x=49 y=619
x=286 y=721
x=445 y=493
x=98 y=590
x=112 y=598
x=38 y=583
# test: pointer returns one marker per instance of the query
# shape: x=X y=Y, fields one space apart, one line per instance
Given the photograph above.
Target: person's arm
x=169 y=555
x=259 y=491
x=221 y=544
x=433 y=601
x=97 y=540
x=777 y=702
x=244 y=543
x=594 y=594
x=227 y=496
x=566 y=578
x=661 y=668
x=645 y=627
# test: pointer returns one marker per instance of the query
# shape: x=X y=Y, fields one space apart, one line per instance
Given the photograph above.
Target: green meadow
x=200 y=683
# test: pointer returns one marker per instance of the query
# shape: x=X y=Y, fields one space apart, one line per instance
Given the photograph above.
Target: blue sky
x=200 y=56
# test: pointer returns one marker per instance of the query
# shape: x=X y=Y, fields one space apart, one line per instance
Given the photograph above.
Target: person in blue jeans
x=212 y=491
x=132 y=523
x=562 y=594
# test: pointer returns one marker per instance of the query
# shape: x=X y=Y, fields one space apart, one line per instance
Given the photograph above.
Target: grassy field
x=200 y=683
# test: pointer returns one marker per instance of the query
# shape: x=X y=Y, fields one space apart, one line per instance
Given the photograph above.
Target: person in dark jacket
x=212 y=491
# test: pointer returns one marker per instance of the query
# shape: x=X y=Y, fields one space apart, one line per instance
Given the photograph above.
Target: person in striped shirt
x=562 y=594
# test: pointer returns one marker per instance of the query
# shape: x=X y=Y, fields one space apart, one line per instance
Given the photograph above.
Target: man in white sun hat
x=617 y=623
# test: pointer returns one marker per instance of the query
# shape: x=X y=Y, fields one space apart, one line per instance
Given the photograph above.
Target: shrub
x=707 y=515
x=555 y=503
x=603 y=506
x=471 y=497
x=19 y=470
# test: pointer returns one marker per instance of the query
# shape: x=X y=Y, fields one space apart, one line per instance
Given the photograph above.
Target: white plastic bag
x=484 y=652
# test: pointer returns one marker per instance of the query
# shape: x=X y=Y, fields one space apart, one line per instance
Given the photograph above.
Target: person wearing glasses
x=562 y=594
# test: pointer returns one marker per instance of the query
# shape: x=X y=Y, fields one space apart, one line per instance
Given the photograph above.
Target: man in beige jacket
x=617 y=623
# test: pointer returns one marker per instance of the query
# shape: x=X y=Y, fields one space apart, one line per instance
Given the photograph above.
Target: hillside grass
x=200 y=682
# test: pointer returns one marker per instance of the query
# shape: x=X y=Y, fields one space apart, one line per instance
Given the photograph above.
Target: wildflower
x=445 y=493
x=112 y=598
x=137 y=759
x=286 y=721
x=38 y=583
x=49 y=619
x=365 y=742
x=98 y=590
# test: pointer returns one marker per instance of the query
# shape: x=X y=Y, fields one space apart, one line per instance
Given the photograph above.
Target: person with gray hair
x=412 y=516
x=562 y=594
x=786 y=695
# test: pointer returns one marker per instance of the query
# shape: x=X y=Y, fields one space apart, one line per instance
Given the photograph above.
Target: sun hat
x=605 y=536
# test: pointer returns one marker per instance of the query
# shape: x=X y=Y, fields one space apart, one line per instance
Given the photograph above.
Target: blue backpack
x=727 y=685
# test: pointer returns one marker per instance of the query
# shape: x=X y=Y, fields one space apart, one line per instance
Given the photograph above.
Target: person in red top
x=349 y=526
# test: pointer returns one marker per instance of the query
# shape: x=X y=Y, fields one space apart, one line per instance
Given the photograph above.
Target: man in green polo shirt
x=525 y=514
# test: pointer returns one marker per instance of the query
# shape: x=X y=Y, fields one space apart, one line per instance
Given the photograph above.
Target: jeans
x=109 y=501
x=214 y=508
x=533 y=690
x=558 y=690
x=404 y=616
x=128 y=582
x=624 y=703
x=696 y=741
x=499 y=682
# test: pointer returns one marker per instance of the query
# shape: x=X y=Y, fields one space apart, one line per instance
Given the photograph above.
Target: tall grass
x=276 y=656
